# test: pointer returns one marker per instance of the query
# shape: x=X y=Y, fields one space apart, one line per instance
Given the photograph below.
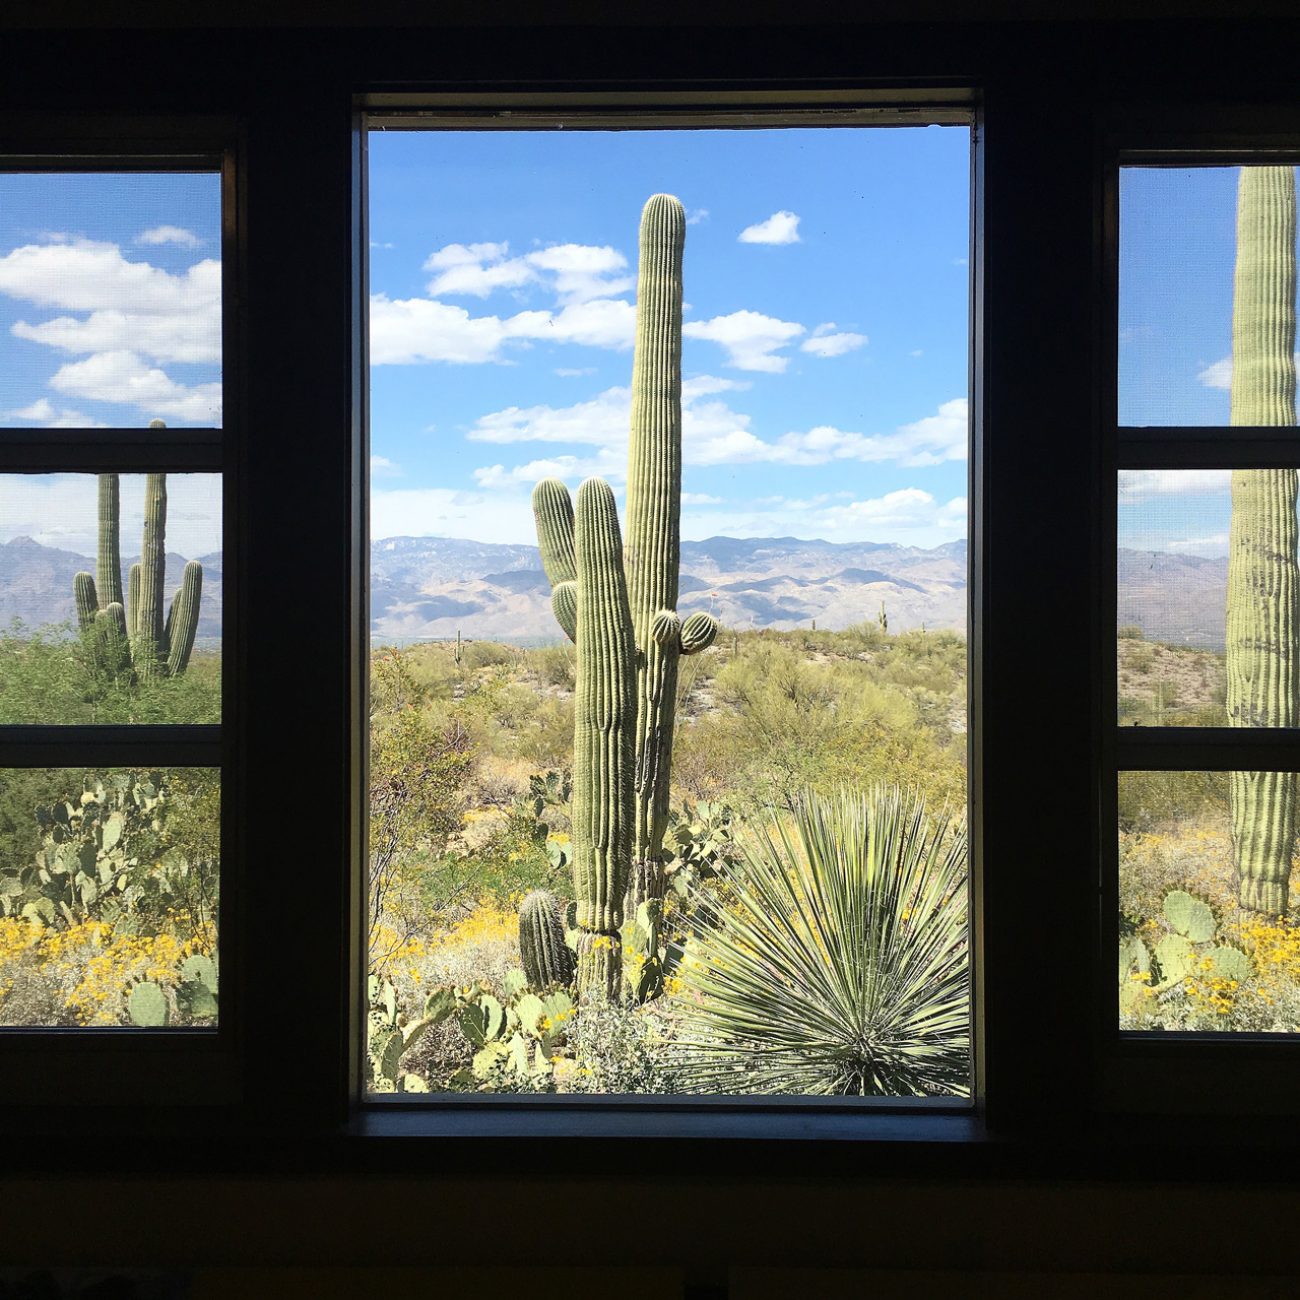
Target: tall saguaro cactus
x=652 y=559
x=1263 y=658
x=137 y=637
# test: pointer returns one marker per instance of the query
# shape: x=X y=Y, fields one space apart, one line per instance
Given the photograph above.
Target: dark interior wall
x=266 y=1196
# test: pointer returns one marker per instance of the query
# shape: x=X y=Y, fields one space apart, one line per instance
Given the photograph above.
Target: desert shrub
x=554 y=665
x=623 y=1050
x=476 y=655
x=1148 y=800
x=1129 y=632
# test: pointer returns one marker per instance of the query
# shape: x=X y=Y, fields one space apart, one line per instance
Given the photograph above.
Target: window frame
x=198 y=1067
x=814 y=107
x=1228 y=1075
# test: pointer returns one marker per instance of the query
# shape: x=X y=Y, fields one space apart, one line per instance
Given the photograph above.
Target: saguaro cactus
x=604 y=718
x=653 y=554
x=546 y=958
x=1263 y=658
x=137 y=637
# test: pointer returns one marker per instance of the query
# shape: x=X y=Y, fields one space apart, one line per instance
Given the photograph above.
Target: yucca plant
x=836 y=962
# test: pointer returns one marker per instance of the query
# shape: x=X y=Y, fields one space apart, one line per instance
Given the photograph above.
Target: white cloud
x=961 y=261
x=581 y=272
x=133 y=305
x=575 y=372
x=607 y=464
x=1218 y=374
x=700 y=499
x=374 y=243
x=575 y=273
x=826 y=341
x=382 y=467
x=169 y=235
x=60 y=510
x=1211 y=547
x=780 y=228
x=124 y=377
x=1139 y=485
x=715 y=434
x=909 y=516
x=916 y=352
x=694 y=217
x=908 y=510
x=43 y=412
x=749 y=338
x=414 y=330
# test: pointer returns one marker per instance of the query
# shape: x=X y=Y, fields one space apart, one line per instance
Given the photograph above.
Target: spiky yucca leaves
x=839 y=963
x=604 y=716
x=1263 y=657
x=546 y=958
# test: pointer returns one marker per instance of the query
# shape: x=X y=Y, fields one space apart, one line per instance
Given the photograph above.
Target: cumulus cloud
x=169 y=235
x=382 y=467
x=124 y=377
x=411 y=331
x=135 y=305
x=694 y=217
x=1213 y=546
x=827 y=341
x=43 y=412
x=780 y=228
x=575 y=273
x=1139 y=485
x=749 y=338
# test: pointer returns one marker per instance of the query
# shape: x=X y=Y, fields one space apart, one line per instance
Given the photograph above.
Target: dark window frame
x=198 y=1065
x=1153 y=1072
x=1046 y=98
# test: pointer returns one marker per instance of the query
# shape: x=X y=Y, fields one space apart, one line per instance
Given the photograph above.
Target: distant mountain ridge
x=432 y=587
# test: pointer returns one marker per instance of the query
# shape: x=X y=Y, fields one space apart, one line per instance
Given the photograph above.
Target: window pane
x=1207 y=593
x=109 y=887
x=1206 y=880
x=1195 y=243
x=823 y=528
x=110 y=598
x=110 y=299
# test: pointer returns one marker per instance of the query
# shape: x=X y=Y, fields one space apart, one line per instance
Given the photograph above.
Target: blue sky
x=826 y=328
x=1177 y=248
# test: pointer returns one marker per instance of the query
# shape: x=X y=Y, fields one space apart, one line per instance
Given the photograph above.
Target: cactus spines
x=604 y=717
x=698 y=632
x=546 y=958
x=183 y=619
x=564 y=605
x=83 y=590
x=108 y=566
x=1263 y=658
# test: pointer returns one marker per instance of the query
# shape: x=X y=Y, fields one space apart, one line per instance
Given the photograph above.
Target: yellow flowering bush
x=84 y=974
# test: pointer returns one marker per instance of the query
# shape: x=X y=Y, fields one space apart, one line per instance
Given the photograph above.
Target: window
x=1207 y=561
x=115 y=357
x=818 y=555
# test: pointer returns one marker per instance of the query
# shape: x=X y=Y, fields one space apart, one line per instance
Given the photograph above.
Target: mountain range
x=434 y=587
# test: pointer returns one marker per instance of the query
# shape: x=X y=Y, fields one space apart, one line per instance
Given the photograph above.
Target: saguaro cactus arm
x=1263 y=658
x=604 y=717
x=83 y=591
x=108 y=567
x=553 y=512
x=183 y=619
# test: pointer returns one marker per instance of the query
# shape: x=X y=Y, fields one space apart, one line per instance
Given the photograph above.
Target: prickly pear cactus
x=1263 y=657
